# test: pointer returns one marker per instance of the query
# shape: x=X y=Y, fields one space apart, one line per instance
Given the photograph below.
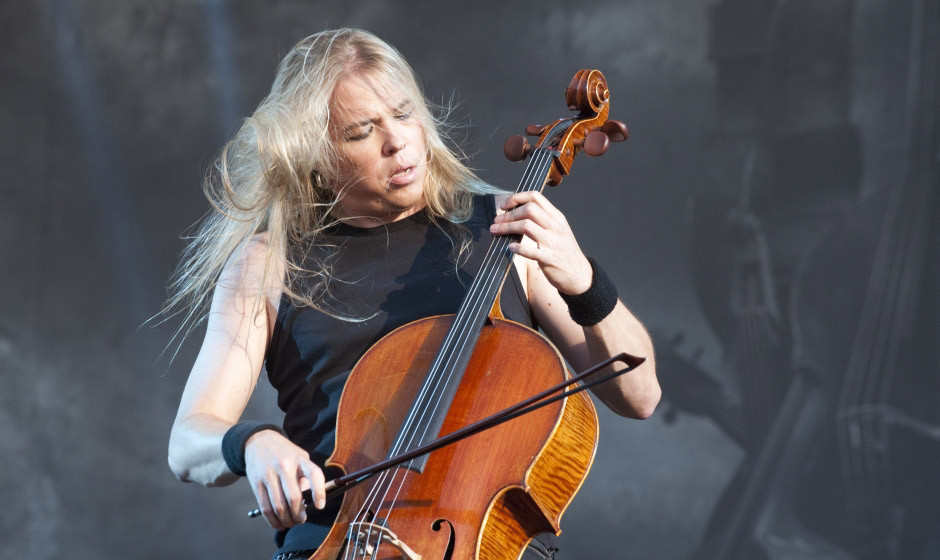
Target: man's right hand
x=279 y=472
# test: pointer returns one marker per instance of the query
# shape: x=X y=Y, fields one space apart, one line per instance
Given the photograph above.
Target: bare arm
x=553 y=262
x=634 y=394
x=240 y=324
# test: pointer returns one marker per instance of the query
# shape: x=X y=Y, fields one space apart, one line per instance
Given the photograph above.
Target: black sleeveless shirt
x=383 y=278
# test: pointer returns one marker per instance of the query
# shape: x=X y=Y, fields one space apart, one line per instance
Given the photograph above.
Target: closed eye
x=363 y=134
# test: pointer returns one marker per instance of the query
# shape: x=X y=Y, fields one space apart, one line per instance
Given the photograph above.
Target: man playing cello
x=339 y=215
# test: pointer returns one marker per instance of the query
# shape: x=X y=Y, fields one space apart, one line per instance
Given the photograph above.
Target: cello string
x=452 y=334
x=491 y=275
x=428 y=384
x=461 y=325
x=446 y=357
x=490 y=278
x=436 y=368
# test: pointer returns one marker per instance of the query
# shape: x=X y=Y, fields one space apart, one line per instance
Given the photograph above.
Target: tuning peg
x=516 y=148
x=596 y=143
x=535 y=129
x=616 y=131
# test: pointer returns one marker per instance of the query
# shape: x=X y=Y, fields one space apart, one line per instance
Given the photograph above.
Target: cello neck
x=486 y=285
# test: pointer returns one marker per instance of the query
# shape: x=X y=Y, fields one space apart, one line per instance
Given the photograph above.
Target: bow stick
x=341 y=484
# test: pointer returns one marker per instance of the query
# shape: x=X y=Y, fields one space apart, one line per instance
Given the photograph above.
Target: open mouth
x=403 y=176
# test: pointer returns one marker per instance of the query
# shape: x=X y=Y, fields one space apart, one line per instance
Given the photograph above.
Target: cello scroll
x=590 y=130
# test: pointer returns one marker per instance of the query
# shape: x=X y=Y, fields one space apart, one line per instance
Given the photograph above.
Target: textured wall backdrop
x=770 y=219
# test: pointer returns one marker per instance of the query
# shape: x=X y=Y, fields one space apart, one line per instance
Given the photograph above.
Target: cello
x=439 y=374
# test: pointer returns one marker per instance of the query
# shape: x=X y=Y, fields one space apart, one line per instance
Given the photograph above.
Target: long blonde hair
x=274 y=175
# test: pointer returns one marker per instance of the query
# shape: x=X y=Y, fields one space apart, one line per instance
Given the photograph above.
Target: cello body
x=484 y=497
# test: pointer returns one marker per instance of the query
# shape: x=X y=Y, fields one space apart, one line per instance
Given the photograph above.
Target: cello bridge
x=375 y=535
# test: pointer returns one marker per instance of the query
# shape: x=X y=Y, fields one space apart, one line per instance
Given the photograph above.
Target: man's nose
x=394 y=140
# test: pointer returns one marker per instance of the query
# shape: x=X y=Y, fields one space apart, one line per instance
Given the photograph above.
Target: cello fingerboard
x=426 y=415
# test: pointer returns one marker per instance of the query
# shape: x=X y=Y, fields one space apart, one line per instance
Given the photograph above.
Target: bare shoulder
x=249 y=257
x=252 y=270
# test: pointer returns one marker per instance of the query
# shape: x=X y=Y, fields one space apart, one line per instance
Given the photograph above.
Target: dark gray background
x=773 y=143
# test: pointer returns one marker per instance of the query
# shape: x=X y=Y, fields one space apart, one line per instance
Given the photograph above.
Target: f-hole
x=437 y=525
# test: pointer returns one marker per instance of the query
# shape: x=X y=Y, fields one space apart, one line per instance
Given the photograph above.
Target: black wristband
x=233 y=443
x=597 y=302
